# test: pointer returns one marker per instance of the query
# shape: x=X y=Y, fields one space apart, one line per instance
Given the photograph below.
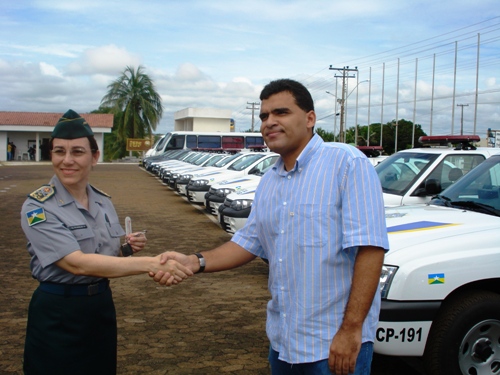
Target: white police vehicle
x=373 y=153
x=249 y=164
x=218 y=192
x=235 y=210
x=440 y=283
x=183 y=179
x=413 y=176
x=407 y=177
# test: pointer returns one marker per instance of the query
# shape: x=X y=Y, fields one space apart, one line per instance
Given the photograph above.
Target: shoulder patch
x=100 y=191
x=43 y=193
x=36 y=216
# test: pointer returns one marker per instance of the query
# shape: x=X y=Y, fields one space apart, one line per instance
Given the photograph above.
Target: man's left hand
x=344 y=351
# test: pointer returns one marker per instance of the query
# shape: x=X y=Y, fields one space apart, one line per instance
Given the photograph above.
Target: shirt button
x=289 y=177
x=280 y=260
x=282 y=231
x=284 y=315
x=292 y=214
x=282 y=288
x=284 y=203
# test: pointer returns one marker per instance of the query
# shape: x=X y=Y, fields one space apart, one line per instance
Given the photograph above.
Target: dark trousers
x=71 y=335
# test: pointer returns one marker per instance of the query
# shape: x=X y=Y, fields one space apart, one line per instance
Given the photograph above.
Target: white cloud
x=108 y=59
x=219 y=54
x=50 y=70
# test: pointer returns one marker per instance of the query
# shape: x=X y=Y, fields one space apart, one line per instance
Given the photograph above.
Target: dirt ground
x=211 y=324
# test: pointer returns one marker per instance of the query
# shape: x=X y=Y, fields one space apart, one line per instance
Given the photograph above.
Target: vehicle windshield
x=245 y=161
x=202 y=159
x=399 y=171
x=478 y=190
x=225 y=161
x=214 y=159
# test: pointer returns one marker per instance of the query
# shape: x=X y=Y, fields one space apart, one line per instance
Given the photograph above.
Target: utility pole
x=462 y=118
x=254 y=106
x=345 y=74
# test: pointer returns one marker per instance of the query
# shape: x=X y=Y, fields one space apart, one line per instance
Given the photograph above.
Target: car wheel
x=465 y=336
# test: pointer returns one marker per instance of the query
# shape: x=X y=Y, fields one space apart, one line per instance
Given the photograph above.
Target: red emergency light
x=463 y=142
x=443 y=139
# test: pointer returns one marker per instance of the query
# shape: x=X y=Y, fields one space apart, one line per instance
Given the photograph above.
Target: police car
x=413 y=176
x=373 y=153
x=440 y=283
x=251 y=163
x=235 y=210
x=407 y=177
x=218 y=192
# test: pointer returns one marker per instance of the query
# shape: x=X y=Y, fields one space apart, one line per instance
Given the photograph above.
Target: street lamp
x=336 y=114
x=356 y=120
x=342 y=103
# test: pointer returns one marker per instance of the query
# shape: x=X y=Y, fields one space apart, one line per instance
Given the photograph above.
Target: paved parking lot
x=212 y=324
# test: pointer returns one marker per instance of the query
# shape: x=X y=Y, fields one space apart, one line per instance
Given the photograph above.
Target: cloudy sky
x=56 y=55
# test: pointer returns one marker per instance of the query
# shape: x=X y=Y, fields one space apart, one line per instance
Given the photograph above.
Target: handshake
x=173 y=267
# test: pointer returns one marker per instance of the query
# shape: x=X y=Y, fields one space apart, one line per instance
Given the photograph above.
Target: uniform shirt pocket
x=81 y=232
x=115 y=230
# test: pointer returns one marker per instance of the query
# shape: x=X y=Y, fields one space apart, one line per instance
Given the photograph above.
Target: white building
x=203 y=120
x=26 y=129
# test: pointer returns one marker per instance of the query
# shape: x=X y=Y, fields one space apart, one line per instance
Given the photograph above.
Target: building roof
x=50 y=119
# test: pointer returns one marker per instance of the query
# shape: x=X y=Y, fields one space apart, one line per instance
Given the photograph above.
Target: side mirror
x=432 y=186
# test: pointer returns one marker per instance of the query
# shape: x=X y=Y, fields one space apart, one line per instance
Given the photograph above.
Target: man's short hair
x=302 y=96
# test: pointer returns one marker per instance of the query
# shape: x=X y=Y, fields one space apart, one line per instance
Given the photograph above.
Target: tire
x=465 y=336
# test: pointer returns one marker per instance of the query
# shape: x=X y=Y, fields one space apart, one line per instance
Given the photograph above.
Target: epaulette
x=43 y=193
x=100 y=191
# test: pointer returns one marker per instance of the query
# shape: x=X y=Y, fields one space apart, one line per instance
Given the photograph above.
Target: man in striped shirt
x=318 y=217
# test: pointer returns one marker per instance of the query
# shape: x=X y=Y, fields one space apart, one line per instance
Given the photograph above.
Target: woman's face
x=73 y=160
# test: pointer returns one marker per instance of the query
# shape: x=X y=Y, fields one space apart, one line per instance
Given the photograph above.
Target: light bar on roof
x=442 y=139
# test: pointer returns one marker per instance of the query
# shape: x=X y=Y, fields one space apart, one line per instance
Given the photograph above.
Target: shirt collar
x=64 y=197
x=305 y=156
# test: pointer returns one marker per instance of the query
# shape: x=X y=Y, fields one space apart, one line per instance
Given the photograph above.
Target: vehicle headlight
x=386 y=277
x=200 y=182
x=186 y=176
x=241 y=204
x=223 y=192
x=175 y=175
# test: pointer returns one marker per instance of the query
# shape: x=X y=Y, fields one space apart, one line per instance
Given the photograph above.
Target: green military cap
x=71 y=126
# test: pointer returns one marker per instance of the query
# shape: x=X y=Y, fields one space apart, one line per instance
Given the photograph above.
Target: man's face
x=286 y=128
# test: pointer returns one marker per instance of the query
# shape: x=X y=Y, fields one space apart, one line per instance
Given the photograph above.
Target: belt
x=75 y=289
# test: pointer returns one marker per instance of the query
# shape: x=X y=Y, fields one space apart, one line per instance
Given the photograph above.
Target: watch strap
x=201 y=259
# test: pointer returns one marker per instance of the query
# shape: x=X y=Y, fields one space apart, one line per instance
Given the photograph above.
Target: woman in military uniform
x=74 y=239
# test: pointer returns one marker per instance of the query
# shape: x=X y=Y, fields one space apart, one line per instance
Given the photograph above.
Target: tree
x=405 y=132
x=135 y=103
x=327 y=136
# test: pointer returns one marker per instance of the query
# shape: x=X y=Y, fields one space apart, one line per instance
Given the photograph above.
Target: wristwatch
x=202 y=262
x=126 y=250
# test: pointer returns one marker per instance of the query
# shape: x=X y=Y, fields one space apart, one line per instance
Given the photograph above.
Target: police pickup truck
x=413 y=176
x=407 y=177
x=440 y=283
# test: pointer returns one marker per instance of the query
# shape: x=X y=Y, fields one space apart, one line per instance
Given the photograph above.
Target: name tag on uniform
x=75 y=227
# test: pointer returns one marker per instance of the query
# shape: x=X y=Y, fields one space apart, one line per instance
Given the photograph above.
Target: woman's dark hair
x=298 y=90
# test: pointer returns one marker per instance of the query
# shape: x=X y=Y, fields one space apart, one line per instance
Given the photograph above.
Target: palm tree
x=136 y=104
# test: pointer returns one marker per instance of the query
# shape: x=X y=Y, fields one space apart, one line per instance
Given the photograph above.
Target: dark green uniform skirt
x=70 y=335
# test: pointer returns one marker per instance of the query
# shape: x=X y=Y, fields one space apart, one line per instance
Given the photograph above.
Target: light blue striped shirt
x=308 y=223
